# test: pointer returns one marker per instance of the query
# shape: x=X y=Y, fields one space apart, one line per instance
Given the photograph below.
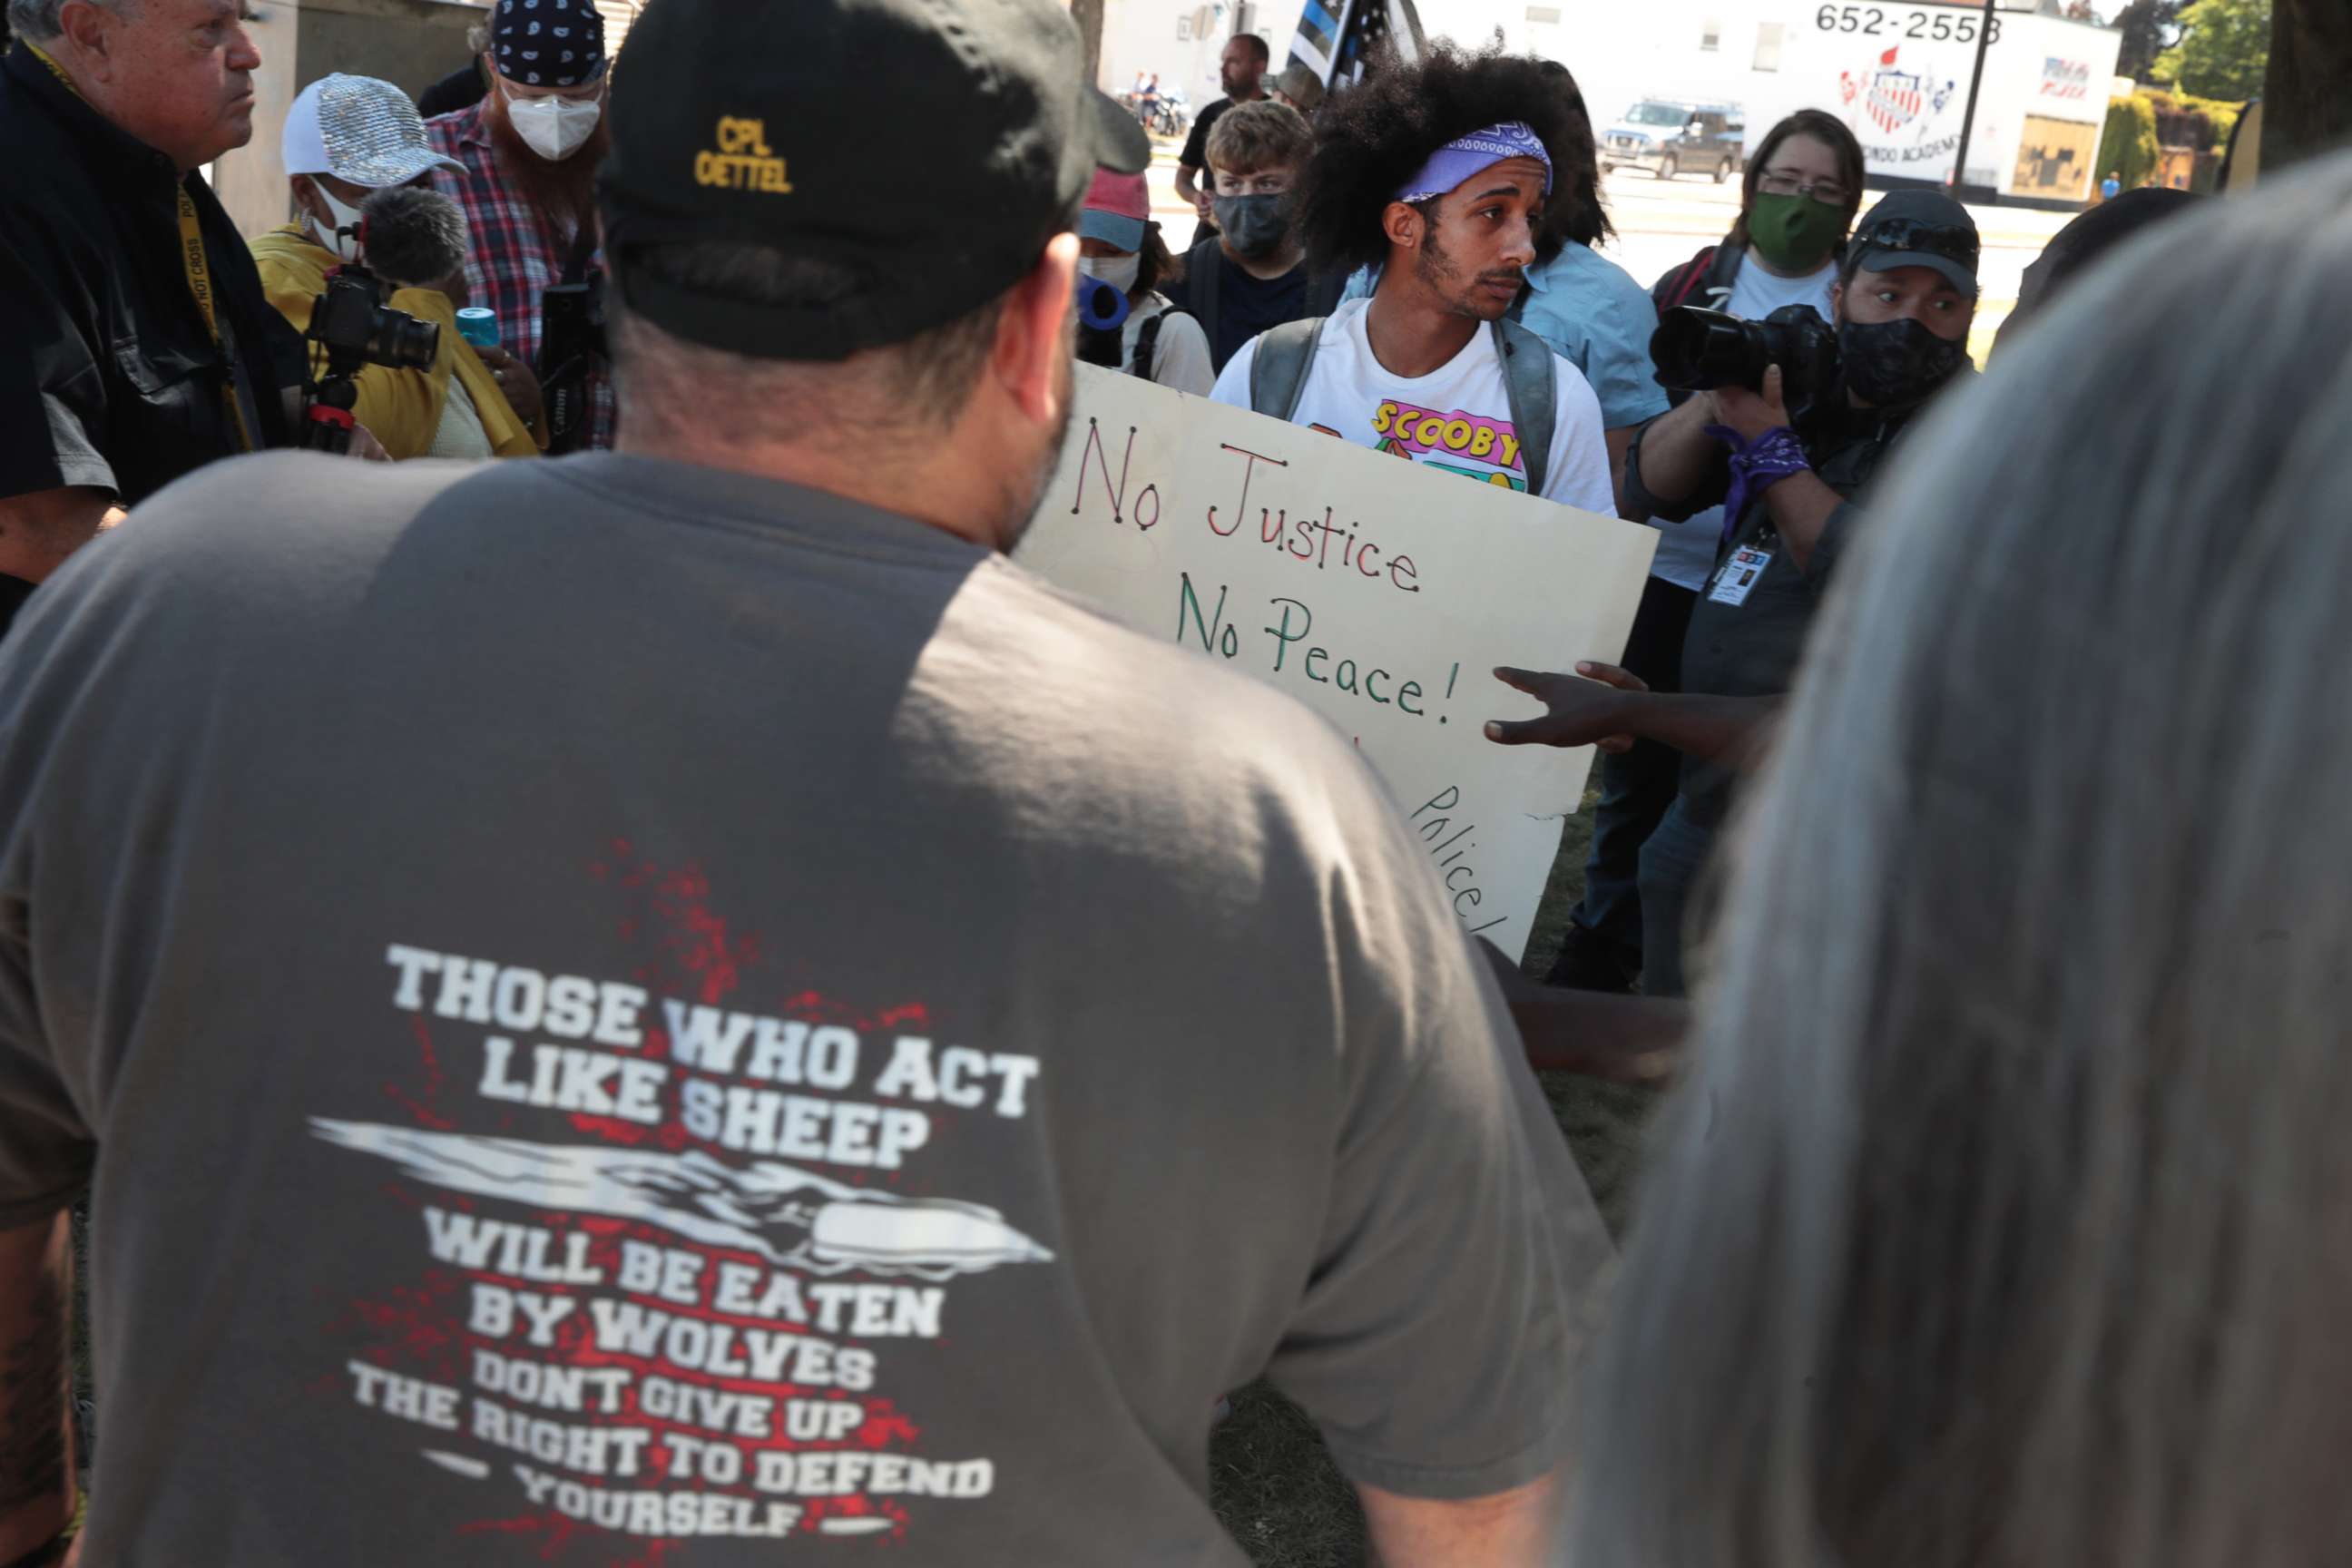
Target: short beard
x=563 y=194
x=1437 y=271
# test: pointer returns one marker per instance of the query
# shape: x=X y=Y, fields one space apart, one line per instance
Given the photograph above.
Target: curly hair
x=1575 y=212
x=1372 y=137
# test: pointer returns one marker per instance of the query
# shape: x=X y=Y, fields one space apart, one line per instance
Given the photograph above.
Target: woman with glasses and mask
x=1797 y=201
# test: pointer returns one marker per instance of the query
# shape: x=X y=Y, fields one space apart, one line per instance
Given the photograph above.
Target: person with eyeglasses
x=1786 y=482
x=1798 y=199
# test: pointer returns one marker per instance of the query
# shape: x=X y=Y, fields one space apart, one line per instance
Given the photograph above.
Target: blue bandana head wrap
x=1466 y=157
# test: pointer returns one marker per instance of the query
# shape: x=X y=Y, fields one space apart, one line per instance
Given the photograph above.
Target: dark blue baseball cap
x=1917 y=228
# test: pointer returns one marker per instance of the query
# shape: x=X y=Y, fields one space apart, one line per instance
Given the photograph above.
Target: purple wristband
x=1756 y=467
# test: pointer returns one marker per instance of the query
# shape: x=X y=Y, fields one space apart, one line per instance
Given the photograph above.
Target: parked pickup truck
x=1672 y=136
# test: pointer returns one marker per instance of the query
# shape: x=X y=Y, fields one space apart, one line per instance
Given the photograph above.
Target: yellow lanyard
x=194 y=262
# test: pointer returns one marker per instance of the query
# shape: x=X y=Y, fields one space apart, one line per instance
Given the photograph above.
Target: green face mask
x=1795 y=234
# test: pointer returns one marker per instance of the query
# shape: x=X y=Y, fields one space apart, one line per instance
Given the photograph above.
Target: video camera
x=1697 y=350
x=356 y=327
x=570 y=345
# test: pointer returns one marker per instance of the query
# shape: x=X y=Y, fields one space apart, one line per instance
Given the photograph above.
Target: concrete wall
x=409 y=43
x=1165 y=36
x=250 y=181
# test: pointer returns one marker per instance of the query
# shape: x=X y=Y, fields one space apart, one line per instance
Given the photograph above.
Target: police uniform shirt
x=108 y=375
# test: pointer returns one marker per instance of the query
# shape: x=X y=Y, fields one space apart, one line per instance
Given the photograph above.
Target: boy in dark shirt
x=1252 y=275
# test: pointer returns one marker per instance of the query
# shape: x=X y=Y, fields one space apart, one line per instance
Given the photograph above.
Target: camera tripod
x=327 y=422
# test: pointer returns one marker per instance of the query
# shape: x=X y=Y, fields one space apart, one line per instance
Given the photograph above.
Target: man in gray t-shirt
x=677 y=1004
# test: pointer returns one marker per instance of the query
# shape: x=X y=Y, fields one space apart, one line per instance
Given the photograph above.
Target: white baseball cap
x=359 y=129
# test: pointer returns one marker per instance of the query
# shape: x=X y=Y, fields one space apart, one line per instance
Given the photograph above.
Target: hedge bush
x=2128 y=147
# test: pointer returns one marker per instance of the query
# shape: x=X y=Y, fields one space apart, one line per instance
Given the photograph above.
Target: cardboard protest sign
x=1380 y=592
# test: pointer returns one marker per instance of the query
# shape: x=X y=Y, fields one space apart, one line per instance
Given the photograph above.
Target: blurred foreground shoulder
x=224 y=528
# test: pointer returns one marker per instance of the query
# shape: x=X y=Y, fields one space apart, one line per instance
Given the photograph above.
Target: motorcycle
x=1167 y=115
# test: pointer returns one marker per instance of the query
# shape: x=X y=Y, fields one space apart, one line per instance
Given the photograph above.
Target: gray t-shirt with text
x=610 y=1004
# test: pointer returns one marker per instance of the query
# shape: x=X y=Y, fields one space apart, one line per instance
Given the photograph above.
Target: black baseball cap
x=1917 y=228
x=929 y=147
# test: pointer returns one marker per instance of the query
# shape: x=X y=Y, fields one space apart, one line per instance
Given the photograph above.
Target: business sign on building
x=2065 y=79
x=1903 y=81
x=1899 y=75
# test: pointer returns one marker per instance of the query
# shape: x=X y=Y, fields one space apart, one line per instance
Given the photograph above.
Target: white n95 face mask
x=1119 y=271
x=554 y=127
x=345 y=246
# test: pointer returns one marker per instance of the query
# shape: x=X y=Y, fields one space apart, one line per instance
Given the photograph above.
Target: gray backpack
x=1285 y=354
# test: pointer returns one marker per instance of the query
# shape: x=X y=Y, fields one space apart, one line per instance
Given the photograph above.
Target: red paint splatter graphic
x=798 y=1340
x=420 y=1104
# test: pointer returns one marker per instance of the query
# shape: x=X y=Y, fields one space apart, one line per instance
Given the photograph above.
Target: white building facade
x=1898 y=74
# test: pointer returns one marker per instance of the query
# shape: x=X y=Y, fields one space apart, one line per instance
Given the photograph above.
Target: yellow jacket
x=401 y=407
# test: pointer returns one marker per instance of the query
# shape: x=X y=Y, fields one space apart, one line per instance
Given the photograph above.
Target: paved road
x=1661 y=223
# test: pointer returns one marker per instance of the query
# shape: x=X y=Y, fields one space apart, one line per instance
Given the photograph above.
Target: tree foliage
x=2184 y=120
x=2149 y=28
x=2223 y=52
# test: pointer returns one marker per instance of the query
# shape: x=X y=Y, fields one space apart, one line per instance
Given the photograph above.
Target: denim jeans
x=1637 y=786
x=1672 y=862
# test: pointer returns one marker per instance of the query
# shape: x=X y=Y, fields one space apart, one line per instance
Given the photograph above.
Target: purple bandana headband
x=1465 y=157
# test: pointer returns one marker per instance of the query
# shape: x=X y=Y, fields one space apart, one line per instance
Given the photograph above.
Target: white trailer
x=1899 y=75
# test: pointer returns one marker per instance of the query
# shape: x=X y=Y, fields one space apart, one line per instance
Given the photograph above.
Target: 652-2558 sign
x=1873 y=22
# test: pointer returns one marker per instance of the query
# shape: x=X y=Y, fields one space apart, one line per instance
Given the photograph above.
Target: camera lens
x=404 y=342
x=1697 y=351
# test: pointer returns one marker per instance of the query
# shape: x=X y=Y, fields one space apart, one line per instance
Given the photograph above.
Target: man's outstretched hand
x=1625 y=1039
x=1584 y=708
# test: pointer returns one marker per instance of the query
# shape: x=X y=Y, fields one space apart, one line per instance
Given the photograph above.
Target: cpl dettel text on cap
x=741 y=161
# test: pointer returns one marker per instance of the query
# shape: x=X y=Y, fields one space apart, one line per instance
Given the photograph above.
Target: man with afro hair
x=1437 y=172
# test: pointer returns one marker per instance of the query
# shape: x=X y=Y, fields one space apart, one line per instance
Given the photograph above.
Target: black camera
x=356 y=327
x=570 y=345
x=1698 y=351
x=351 y=319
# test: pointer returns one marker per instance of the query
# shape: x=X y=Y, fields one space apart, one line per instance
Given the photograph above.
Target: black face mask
x=1888 y=364
x=1254 y=226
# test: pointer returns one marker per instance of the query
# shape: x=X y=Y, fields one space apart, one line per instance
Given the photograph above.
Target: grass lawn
x=1269 y=1478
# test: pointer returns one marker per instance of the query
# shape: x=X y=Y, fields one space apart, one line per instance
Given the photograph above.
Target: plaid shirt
x=511 y=253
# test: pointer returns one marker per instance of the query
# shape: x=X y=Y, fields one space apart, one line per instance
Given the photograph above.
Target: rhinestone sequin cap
x=372 y=133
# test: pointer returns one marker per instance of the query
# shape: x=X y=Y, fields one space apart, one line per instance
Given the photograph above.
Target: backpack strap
x=1279 y=369
x=1534 y=387
x=1693 y=274
x=1201 y=271
x=1147 y=343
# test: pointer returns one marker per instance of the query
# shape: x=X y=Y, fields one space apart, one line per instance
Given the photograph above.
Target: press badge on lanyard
x=1738 y=576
